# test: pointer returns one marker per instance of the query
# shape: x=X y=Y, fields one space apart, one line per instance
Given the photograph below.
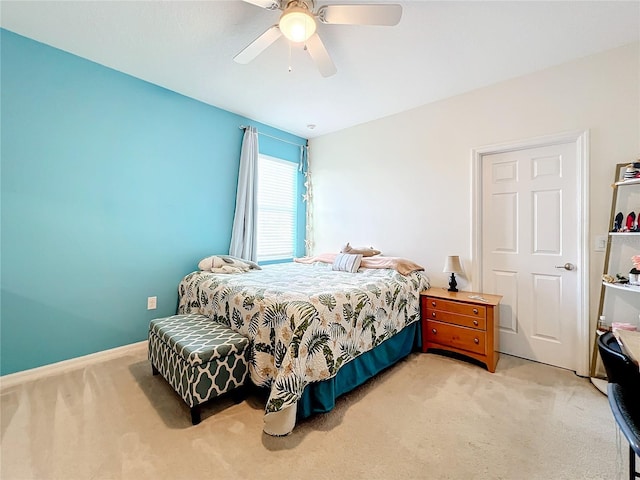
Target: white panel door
x=529 y=232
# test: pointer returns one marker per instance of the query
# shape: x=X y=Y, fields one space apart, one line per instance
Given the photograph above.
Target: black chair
x=623 y=392
x=619 y=367
x=625 y=406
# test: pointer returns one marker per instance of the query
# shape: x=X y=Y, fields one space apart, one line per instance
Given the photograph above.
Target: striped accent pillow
x=347 y=262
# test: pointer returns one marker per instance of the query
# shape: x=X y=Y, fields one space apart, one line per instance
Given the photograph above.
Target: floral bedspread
x=304 y=321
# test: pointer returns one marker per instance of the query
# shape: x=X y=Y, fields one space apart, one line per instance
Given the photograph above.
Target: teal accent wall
x=112 y=189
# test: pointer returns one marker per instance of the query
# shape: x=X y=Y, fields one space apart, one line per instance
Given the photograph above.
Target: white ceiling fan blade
x=379 y=14
x=256 y=47
x=320 y=56
x=268 y=4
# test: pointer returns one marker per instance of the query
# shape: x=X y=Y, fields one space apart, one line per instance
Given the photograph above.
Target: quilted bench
x=201 y=359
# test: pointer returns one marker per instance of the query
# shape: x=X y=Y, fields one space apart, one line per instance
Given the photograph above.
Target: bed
x=315 y=333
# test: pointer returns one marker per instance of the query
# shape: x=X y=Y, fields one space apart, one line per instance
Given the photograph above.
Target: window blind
x=277 y=186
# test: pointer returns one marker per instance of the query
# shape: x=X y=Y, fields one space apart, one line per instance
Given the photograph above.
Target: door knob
x=566 y=266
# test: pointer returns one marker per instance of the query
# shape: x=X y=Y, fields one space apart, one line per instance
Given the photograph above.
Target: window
x=277 y=193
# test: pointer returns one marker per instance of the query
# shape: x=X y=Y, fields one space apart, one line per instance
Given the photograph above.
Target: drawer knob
x=433 y=304
x=476 y=340
x=475 y=322
x=433 y=314
x=475 y=310
x=434 y=331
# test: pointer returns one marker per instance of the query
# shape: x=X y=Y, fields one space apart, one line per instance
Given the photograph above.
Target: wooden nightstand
x=455 y=322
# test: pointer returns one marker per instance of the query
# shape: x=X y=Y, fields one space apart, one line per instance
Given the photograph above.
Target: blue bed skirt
x=321 y=397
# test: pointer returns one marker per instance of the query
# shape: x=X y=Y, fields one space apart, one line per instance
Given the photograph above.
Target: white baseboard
x=12 y=379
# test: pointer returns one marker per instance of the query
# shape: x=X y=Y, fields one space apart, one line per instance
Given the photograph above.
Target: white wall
x=403 y=183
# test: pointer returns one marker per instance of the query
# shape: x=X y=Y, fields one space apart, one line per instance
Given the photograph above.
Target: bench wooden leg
x=154 y=370
x=195 y=415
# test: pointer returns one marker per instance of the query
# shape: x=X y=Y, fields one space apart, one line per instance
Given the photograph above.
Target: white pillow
x=347 y=262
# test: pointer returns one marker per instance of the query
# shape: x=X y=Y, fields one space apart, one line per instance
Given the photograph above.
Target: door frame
x=581 y=141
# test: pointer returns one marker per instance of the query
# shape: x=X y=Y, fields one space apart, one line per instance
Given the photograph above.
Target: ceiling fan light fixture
x=297 y=24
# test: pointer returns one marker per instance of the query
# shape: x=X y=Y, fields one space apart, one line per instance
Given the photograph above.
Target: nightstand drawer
x=454 y=307
x=459 y=337
x=464 y=320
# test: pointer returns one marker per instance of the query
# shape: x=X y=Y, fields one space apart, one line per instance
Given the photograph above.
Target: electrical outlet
x=151 y=303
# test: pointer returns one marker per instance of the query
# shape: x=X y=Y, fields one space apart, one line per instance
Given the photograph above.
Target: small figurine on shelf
x=621 y=279
x=617 y=225
x=632 y=171
x=631 y=223
x=602 y=324
x=634 y=274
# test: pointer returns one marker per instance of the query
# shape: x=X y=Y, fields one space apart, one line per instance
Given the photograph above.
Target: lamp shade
x=452 y=264
x=297 y=24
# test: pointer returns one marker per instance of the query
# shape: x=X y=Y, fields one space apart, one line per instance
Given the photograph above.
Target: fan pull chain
x=290 y=68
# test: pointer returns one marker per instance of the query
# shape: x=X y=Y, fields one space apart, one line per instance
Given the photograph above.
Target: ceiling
x=439 y=49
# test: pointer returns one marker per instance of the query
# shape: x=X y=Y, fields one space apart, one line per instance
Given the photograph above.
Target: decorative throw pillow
x=364 y=251
x=347 y=262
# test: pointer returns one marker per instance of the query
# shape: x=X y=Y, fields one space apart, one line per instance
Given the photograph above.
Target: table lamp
x=453 y=266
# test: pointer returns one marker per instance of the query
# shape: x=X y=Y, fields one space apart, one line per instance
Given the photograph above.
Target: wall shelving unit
x=619 y=302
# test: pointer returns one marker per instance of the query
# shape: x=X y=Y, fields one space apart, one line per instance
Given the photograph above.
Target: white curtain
x=243 y=235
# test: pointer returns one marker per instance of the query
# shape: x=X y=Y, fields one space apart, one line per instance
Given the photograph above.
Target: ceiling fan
x=298 y=24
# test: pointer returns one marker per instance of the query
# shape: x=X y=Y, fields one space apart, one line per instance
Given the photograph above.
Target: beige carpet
x=429 y=417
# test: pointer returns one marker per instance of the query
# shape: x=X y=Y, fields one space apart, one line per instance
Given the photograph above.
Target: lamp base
x=453 y=285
